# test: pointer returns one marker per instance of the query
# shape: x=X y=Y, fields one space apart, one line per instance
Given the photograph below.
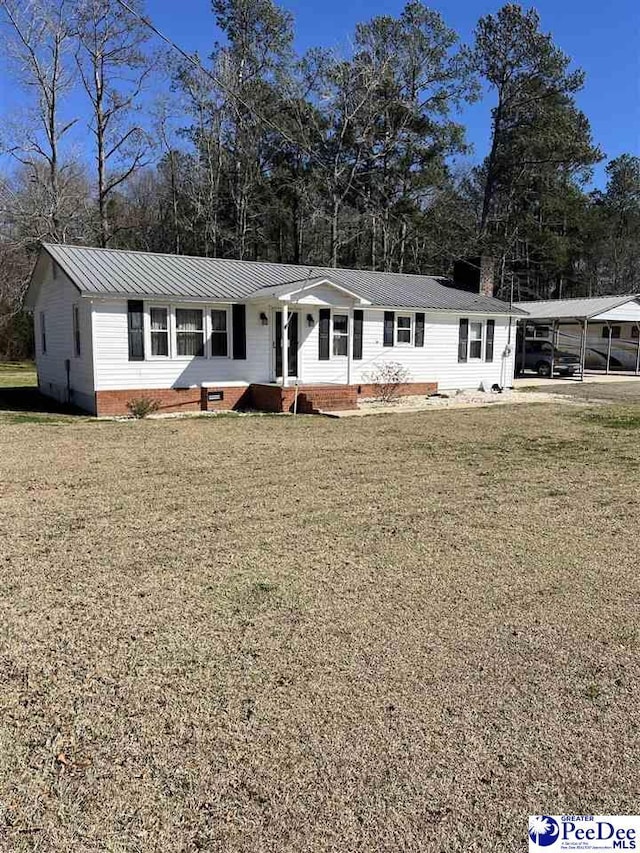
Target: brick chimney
x=487 y=271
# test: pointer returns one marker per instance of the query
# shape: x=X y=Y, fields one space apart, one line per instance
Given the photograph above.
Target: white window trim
x=186 y=307
x=346 y=312
x=483 y=327
x=149 y=356
x=173 y=332
x=209 y=330
x=412 y=327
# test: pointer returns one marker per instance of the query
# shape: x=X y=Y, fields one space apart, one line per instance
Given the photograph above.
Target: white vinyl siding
x=437 y=360
x=56 y=304
x=114 y=370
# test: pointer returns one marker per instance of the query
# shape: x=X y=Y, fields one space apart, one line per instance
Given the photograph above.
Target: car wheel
x=543 y=368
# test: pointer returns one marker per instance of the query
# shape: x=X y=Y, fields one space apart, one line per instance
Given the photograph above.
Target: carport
x=589 y=327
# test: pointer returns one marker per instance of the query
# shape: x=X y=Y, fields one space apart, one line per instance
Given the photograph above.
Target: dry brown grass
x=276 y=634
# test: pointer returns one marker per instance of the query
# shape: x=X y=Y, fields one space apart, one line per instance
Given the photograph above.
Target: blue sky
x=602 y=38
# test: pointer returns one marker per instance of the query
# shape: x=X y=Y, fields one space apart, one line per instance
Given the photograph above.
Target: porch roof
x=296 y=288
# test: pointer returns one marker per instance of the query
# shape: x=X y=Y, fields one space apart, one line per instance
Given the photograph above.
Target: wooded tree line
x=341 y=159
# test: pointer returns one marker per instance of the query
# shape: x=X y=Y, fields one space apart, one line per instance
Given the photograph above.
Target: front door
x=292 y=330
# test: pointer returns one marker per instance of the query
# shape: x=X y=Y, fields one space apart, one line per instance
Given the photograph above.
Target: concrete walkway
x=533 y=381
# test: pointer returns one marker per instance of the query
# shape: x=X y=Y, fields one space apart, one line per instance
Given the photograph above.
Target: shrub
x=140 y=407
x=387 y=379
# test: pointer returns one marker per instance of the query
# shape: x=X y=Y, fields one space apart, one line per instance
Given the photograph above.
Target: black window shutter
x=239 y=325
x=357 y=334
x=488 y=352
x=323 y=339
x=419 y=330
x=135 y=325
x=462 y=340
x=389 y=321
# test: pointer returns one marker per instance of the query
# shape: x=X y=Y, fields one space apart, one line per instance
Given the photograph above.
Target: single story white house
x=205 y=333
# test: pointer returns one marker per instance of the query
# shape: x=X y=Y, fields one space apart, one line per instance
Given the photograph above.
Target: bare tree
x=113 y=68
x=40 y=40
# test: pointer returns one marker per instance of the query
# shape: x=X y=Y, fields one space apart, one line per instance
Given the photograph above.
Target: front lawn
x=402 y=632
x=17 y=374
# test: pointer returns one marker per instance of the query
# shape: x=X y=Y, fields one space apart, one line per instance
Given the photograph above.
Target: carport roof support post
x=583 y=348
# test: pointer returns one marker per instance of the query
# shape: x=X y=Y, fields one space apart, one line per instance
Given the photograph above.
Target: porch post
x=349 y=345
x=608 y=346
x=638 y=351
x=583 y=348
x=285 y=343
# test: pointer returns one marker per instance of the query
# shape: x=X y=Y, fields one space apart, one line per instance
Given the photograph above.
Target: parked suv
x=539 y=356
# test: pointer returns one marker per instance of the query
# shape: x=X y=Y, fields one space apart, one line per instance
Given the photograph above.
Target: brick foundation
x=265 y=398
x=110 y=403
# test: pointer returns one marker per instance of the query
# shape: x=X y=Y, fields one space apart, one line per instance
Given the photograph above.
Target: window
x=403 y=329
x=475 y=340
x=219 y=345
x=489 y=339
x=135 y=324
x=542 y=331
x=615 y=331
x=76 y=330
x=189 y=332
x=340 y=334
x=43 y=333
x=634 y=332
x=159 y=331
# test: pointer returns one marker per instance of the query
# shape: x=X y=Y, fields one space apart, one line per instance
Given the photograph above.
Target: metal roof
x=573 y=309
x=118 y=272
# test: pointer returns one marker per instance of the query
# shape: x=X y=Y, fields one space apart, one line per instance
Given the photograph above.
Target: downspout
x=608 y=347
x=638 y=351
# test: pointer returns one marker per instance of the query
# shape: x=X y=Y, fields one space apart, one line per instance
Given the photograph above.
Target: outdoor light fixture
x=309 y=320
x=264 y=319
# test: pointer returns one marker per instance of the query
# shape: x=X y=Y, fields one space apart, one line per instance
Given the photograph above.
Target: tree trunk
x=335 y=211
x=487 y=199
